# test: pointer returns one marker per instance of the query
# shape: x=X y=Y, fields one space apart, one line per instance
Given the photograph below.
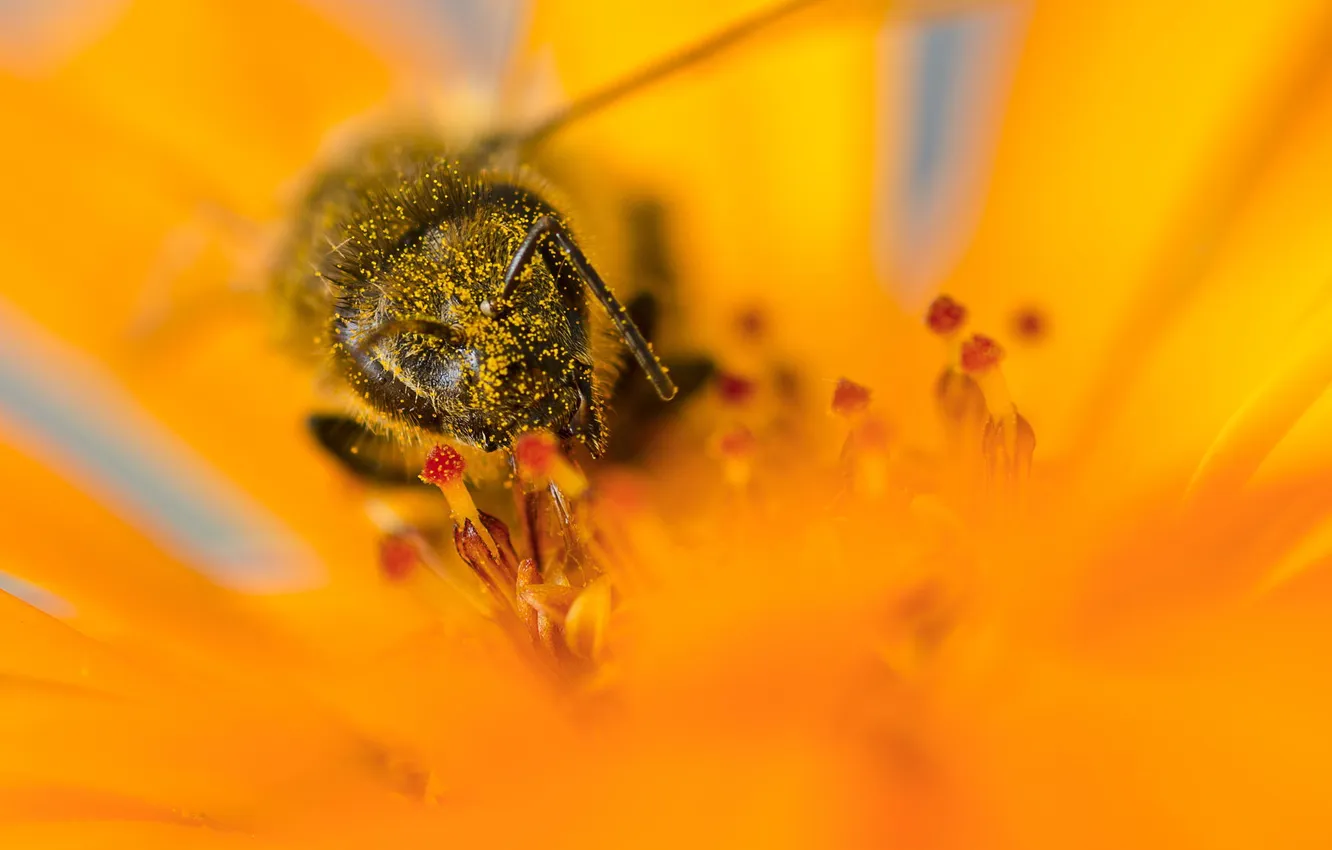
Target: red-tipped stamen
x=850 y=399
x=737 y=443
x=536 y=453
x=947 y=319
x=735 y=389
x=866 y=454
x=1008 y=440
x=737 y=448
x=945 y=316
x=980 y=353
x=539 y=459
x=399 y=556
x=444 y=467
x=980 y=358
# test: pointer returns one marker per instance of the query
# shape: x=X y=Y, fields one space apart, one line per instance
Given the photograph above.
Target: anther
x=947 y=319
x=399 y=556
x=850 y=399
x=444 y=468
x=734 y=389
x=980 y=353
x=737 y=443
x=980 y=358
x=945 y=316
x=539 y=459
x=736 y=448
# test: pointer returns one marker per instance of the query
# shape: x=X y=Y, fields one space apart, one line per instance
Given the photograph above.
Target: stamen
x=734 y=389
x=980 y=357
x=492 y=557
x=736 y=448
x=1009 y=440
x=980 y=353
x=552 y=599
x=850 y=399
x=444 y=468
x=865 y=452
x=399 y=556
x=539 y=459
x=867 y=449
x=528 y=614
x=945 y=316
x=959 y=399
x=1009 y=444
x=588 y=620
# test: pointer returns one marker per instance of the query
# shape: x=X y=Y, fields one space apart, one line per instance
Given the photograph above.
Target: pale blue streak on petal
x=74 y=415
x=35 y=596
x=954 y=72
x=938 y=87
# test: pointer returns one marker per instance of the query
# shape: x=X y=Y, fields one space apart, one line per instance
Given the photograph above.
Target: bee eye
x=442 y=331
x=447 y=333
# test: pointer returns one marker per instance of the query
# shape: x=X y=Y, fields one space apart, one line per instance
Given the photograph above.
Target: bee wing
x=462 y=50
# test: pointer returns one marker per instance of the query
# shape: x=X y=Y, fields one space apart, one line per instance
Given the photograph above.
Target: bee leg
x=547 y=227
x=365 y=454
x=588 y=422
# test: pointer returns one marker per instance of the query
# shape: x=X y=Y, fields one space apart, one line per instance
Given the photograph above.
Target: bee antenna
x=655 y=71
x=629 y=332
x=363 y=343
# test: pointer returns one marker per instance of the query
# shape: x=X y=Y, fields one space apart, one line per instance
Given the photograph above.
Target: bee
x=450 y=299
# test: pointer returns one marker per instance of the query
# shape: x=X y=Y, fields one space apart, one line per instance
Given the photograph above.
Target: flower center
x=555 y=582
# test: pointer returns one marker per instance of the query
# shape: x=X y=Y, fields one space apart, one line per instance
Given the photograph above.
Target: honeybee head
x=450 y=349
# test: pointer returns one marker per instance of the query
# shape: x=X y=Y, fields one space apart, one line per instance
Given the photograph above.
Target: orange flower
x=1042 y=564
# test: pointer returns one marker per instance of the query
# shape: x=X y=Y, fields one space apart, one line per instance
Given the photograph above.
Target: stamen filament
x=444 y=468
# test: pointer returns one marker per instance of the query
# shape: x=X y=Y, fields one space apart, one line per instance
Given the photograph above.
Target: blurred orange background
x=198 y=649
